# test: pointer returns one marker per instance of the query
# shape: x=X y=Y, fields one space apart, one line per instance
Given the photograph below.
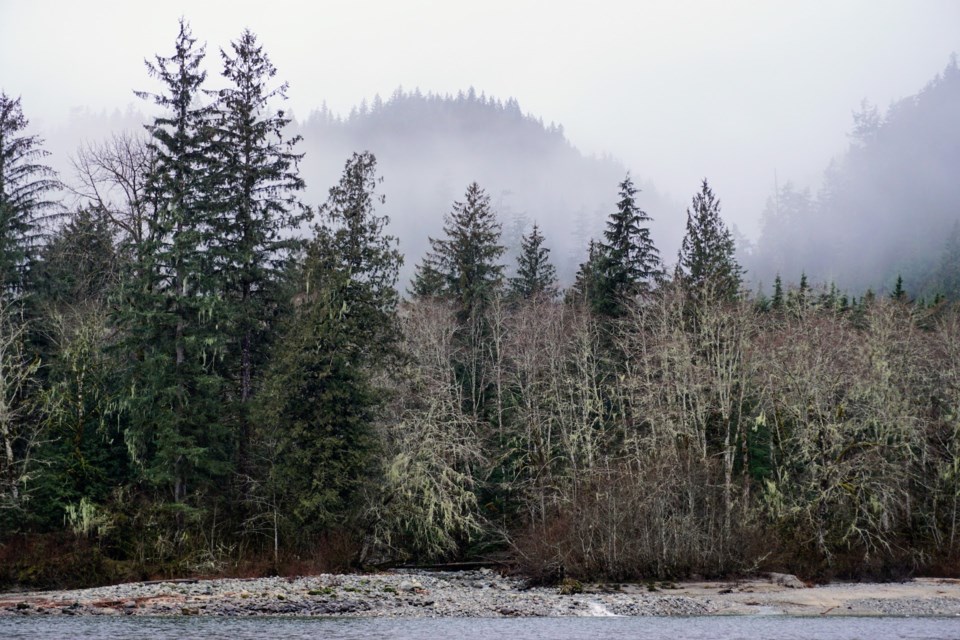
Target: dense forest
x=200 y=374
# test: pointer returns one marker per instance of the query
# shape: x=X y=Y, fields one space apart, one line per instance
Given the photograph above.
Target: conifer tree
x=631 y=264
x=171 y=307
x=351 y=240
x=80 y=263
x=258 y=211
x=706 y=261
x=467 y=258
x=587 y=286
x=777 y=301
x=899 y=293
x=536 y=276
x=465 y=268
x=25 y=185
x=344 y=330
x=428 y=281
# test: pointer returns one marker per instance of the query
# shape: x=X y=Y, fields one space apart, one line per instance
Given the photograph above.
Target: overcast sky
x=678 y=90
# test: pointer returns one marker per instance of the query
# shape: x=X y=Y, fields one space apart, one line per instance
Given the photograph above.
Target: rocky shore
x=484 y=593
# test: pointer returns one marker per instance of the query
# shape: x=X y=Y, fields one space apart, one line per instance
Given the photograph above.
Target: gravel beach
x=484 y=593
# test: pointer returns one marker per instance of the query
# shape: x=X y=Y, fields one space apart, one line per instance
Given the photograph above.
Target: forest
x=200 y=374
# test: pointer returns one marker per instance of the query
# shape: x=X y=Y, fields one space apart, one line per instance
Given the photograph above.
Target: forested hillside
x=890 y=206
x=429 y=146
x=203 y=375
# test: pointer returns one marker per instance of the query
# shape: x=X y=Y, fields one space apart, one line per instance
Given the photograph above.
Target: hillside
x=889 y=206
x=429 y=147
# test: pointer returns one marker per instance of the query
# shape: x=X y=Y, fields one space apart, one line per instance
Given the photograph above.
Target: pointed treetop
x=707 y=259
x=464 y=265
x=536 y=277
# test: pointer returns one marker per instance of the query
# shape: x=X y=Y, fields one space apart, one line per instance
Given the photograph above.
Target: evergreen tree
x=631 y=264
x=466 y=266
x=706 y=261
x=84 y=450
x=536 y=277
x=467 y=258
x=587 y=286
x=428 y=280
x=899 y=293
x=343 y=332
x=258 y=210
x=777 y=301
x=80 y=264
x=171 y=307
x=351 y=240
x=25 y=185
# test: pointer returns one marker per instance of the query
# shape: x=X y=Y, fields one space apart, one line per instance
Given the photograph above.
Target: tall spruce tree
x=343 y=332
x=465 y=265
x=258 y=210
x=465 y=268
x=536 y=276
x=631 y=263
x=25 y=187
x=171 y=307
x=706 y=262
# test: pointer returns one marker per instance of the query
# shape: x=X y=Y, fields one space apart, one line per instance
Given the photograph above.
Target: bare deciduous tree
x=112 y=176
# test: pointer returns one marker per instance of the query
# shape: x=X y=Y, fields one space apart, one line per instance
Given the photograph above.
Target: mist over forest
x=887 y=207
x=429 y=147
x=432 y=330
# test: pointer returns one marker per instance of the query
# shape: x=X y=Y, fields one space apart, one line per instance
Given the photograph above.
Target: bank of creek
x=484 y=593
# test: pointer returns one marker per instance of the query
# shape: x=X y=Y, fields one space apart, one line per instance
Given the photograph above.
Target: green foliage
x=169 y=304
x=20 y=426
x=190 y=373
x=25 y=183
x=319 y=399
x=777 y=301
x=536 y=276
x=706 y=262
x=429 y=509
x=257 y=210
x=630 y=264
x=467 y=258
x=588 y=285
x=353 y=250
x=84 y=448
x=80 y=264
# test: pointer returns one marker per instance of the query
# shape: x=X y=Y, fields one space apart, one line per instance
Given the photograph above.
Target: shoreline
x=484 y=593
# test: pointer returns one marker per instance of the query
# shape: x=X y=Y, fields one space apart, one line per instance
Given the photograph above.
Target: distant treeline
x=889 y=207
x=189 y=386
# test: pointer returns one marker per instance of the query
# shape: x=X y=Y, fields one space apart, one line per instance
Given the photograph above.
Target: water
x=714 y=628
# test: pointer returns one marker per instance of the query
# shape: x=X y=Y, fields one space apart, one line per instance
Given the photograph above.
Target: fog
x=750 y=95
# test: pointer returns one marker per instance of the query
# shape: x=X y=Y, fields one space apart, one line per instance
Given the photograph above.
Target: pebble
x=481 y=593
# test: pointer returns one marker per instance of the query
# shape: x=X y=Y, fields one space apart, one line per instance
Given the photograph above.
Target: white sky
x=678 y=90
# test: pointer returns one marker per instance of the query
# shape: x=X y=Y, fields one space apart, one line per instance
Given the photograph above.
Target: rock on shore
x=480 y=593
